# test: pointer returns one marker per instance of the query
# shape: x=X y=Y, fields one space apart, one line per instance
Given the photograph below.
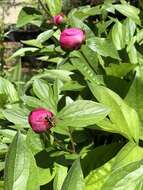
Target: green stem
x=59 y=142
x=72 y=141
x=2 y=62
x=44 y=8
x=82 y=53
x=66 y=57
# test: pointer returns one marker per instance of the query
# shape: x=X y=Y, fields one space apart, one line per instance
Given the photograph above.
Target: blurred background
x=11 y=35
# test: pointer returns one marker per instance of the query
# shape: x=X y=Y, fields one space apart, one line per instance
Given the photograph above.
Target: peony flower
x=72 y=39
x=58 y=19
x=40 y=120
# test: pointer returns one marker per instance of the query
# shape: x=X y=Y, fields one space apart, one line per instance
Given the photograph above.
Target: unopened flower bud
x=40 y=120
x=58 y=19
x=72 y=39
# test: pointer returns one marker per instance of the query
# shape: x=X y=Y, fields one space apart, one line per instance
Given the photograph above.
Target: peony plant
x=76 y=122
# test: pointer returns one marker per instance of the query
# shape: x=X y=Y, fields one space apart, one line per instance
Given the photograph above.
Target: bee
x=51 y=121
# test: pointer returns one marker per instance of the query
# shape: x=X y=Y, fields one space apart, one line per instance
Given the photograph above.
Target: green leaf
x=55 y=6
x=6 y=87
x=123 y=118
x=17 y=115
x=1 y=185
x=3 y=149
x=45 y=175
x=134 y=96
x=34 y=142
x=15 y=74
x=33 y=42
x=78 y=23
x=21 y=52
x=74 y=179
x=45 y=93
x=82 y=113
x=61 y=172
x=2 y=164
x=119 y=70
x=20 y=169
x=34 y=102
x=72 y=86
x=29 y=15
x=91 y=56
x=8 y=135
x=85 y=11
x=129 y=11
x=80 y=62
x=44 y=36
x=118 y=35
x=129 y=28
x=128 y=177
x=3 y=99
x=101 y=155
x=128 y=154
x=96 y=178
x=103 y=47
x=132 y=51
x=54 y=74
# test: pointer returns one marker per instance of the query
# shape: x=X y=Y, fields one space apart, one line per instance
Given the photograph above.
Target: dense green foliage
x=95 y=93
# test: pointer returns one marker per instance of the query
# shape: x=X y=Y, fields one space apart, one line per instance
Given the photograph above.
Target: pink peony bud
x=40 y=120
x=58 y=19
x=72 y=39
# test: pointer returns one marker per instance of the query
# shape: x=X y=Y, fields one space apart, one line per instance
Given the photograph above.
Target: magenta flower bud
x=40 y=120
x=58 y=19
x=72 y=39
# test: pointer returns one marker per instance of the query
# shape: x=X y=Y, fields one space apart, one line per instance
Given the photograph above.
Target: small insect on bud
x=41 y=120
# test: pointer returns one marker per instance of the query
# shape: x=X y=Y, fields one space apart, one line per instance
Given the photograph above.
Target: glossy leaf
x=74 y=179
x=34 y=142
x=124 y=119
x=78 y=23
x=129 y=28
x=61 y=172
x=45 y=93
x=44 y=36
x=119 y=70
x=55 y=6
x=128 y=154
x=7 y=88
x=85 y=11
x=82 y=113
x=128 y=177
x=80 y=62
x=21 y=52
x=101 y=155
x=17 y=115
x=34 y=43
x=45 y=175
x=134 y=96
x=118 y=36
x=29 y=15
x=103 y=47
x=54 y=74
x=34 y=102
x=129 y=11
x=20 y=169
x=97 y=178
